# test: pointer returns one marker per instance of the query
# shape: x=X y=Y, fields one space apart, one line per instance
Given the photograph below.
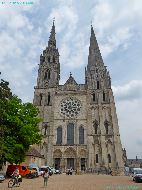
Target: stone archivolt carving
x=70 y=153
x=82 y=153
x=57 y=153
x=109 y=141
x=96 y=140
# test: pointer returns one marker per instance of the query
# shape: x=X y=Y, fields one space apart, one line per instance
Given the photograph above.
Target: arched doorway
x=83 y=157
x=70 y=155
x=57 y=155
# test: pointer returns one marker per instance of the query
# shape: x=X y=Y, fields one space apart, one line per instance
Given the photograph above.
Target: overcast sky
x=24 y=33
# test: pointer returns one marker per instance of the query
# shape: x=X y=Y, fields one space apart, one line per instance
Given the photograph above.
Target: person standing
x=45 y=176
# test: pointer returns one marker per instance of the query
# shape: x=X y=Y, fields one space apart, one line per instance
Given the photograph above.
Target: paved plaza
x=78 y=182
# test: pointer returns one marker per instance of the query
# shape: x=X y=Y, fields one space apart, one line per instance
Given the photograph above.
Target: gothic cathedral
x=79 y=121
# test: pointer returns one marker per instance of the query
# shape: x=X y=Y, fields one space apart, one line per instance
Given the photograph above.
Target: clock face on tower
x=70 y=107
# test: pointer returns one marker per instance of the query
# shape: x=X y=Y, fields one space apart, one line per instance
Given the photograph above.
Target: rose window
x=70 y=107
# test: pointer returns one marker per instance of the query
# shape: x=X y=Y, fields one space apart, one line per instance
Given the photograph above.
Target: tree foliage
x=18 y=126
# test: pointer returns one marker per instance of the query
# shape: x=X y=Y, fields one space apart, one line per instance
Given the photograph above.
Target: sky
x=24 y=34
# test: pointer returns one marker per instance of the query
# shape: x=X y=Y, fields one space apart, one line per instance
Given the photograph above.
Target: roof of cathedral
x=33 y=152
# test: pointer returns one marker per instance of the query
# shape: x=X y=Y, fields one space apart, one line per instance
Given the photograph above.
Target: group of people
x=15 y=175
x=69 y=171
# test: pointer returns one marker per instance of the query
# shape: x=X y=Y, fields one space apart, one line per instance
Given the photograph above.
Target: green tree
x=18 y=126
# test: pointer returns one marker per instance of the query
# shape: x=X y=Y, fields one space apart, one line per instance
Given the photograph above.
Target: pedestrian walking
x=45 y=176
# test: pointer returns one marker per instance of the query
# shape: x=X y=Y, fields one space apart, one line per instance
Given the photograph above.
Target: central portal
x=70 y=163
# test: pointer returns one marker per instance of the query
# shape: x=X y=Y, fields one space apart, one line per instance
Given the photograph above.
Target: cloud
x=72 y=46
x=128 y=100
x=130 y=91
x=19 y=41
x=130 y=120
x=116 y=40
x=116 y=23
x=139 y=142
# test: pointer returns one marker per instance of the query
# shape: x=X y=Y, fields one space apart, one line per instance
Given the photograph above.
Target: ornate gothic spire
x=49 y=69
x=52 y=39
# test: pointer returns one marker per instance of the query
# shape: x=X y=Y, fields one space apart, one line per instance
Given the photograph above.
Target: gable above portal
x=71 y=84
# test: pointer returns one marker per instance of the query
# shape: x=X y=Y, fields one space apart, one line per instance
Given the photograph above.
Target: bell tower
x=49 y=67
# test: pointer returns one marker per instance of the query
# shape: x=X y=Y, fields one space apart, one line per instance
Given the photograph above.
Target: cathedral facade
x=79 y=121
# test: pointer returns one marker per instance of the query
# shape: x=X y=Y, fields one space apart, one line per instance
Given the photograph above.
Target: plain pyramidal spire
x=93 y=41
x=94 y=50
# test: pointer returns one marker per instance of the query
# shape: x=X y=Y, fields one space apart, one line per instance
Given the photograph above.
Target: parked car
x=137 y=174
x=37 y=170
x=57 y=171
x=33 y=171
x=2 y=178
x=137 y=178
x=53 y=170
x=35 y=167
x=43 y=168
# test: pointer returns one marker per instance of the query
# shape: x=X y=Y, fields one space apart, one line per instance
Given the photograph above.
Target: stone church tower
x=79 y=122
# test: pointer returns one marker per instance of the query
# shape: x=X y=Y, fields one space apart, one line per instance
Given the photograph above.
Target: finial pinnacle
x=53 y=20
x=91 y=23
x=70 y=74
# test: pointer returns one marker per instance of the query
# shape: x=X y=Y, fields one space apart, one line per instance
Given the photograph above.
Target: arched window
x=59 y=135
x=109 y=158
x=94 y=97
x=47 y=75
x=49 y=59
x=48 y=100
x=40 y=99
x=97 y=159
x=70 y=134
x=104 y=97
x=45 y=130
x=81 y=135
x=98 y=85
x=96 y=127
x=53 y=59
x=106 y=127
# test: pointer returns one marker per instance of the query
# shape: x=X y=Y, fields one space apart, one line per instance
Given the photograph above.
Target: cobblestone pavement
x=78 y=182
